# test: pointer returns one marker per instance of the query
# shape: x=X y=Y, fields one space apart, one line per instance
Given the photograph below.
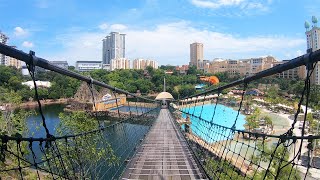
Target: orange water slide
x=211 y=79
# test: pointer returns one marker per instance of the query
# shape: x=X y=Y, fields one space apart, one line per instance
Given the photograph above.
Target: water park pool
x=199 y=86
x=224 y=116
x=133 y=109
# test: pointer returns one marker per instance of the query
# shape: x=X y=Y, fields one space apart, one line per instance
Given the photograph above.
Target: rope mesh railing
x=94 y=149
x=93 y=141
x=228 y=147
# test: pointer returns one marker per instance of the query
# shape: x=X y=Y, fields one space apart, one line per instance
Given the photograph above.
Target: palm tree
x=252 y=123
x=248 y=104
x=269 y=122
x=253 y=119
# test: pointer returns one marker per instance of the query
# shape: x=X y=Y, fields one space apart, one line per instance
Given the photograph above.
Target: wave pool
x=224 y=116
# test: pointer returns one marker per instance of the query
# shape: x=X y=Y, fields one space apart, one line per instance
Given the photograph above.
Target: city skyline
x=228 y=29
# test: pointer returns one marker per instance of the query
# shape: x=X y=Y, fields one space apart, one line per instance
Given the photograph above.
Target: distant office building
x=106 y=67
x=204 y=65
x=83 y=66
x=143 y=63
x=183 y=69
x=7 y=60
x=241 y=67
x=260 y=64
x=218 y=65
x=313 y=40
x=222 y=65
x=37 y=70
x=62 y=64
x=25 y=71
x=113 y=47
x=120 y=63
x=246 y=67
x=10 y=61
x=295 y=73
x=3 y=40
x=196 y=54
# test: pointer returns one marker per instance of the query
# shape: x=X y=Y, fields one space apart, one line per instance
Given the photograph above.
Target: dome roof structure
x=164 y=96
x=314 y=19
x=306 y=25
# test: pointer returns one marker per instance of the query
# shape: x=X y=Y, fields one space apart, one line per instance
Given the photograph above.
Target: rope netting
x=228 y=145
x=95 y=138
x=231 y=141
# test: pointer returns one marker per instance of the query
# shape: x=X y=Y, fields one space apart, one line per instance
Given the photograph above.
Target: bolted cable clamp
x=33 y=60
x=307 y=61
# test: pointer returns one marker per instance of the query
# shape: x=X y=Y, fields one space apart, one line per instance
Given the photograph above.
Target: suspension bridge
x=160 y=144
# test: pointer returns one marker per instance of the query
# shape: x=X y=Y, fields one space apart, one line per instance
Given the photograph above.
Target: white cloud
x=103 y=26
x=169 y=44
x=299 y=52
x=215 y=3
x=19 y=31
x=241 y=7
x=118 y=27
x=256 y=7
x=112 y=27
x=27 y=44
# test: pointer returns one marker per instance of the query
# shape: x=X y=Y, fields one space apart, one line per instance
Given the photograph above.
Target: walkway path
x=164 y=154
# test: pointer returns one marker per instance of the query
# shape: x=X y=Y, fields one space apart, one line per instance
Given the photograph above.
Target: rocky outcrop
x=84 y=95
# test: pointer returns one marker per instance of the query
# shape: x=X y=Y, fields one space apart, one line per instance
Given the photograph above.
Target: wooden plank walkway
x=164 y=154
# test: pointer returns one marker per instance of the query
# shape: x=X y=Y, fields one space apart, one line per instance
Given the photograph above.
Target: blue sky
x=159 y=29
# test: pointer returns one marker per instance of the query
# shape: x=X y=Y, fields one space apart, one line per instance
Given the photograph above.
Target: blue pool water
x=224 y=116
x=133 y=109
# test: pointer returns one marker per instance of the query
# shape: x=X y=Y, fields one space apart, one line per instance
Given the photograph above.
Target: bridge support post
x=187 y=125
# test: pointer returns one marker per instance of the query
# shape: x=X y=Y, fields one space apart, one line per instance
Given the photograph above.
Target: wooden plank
x=163 y=154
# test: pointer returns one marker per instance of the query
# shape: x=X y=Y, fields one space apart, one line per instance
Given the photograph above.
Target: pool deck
x=218 y=149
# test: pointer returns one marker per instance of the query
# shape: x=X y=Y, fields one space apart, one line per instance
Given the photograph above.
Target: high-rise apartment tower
x=313 y=40
x=196 y=54
x=113 y=47
x=3 y=40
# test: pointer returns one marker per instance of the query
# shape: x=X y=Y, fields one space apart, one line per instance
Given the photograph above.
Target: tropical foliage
x=252 y=121
x=223 y=169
